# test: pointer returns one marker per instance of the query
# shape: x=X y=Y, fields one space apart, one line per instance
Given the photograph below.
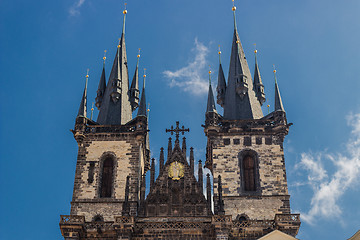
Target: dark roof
x=117 y=112
x=237 y=106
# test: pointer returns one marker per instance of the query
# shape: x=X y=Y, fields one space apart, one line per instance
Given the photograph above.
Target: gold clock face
x=176 y=170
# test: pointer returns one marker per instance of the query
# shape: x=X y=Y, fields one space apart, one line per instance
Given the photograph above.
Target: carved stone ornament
x=176 y=171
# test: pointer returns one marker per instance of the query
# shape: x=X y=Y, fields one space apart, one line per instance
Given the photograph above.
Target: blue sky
x=46 y=47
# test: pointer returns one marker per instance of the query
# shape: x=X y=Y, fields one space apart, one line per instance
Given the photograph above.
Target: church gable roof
x=176 y=191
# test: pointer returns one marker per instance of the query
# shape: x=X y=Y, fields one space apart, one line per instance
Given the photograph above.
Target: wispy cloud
x=191 y=77
x=329 y=187
x=75 y=8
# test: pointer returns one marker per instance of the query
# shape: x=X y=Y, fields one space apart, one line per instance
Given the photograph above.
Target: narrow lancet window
x=107 y=178
x=249 y=173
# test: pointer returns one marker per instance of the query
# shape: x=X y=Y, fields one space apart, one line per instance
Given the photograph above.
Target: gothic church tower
x=113 y=152
x=245 y=149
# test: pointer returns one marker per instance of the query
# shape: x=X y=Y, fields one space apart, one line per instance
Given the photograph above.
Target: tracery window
x=107 y=178
x=249 y=173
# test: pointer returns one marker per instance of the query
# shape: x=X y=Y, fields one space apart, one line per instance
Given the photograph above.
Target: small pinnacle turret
x=221 y=87
x=134 y=89
x=83 y=103
x=115 y=108
x=102 y=86
x=278 y=102
x=142 y=106
x=258 y=86
x=210 y=103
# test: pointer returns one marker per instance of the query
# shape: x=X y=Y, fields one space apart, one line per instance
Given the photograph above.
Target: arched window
x=249 y=173
x=107 y=178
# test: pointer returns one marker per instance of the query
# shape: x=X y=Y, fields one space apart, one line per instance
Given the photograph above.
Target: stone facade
x=128 y=151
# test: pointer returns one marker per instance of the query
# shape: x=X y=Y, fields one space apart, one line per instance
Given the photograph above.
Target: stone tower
x=113 y=153
x=245 y=148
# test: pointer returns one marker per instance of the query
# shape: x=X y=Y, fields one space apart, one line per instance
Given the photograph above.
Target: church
x=248 y=197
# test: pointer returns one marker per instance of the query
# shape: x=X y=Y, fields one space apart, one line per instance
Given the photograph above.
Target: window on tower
x=249 y=173
x=107 y=178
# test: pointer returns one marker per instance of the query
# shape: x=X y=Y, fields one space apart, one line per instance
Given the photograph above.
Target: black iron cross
x=177 y=130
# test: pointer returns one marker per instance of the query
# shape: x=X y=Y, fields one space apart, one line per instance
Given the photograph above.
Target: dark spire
x=102 y=86
x=142 y=106
x=192 y=160
x=161 y=159
x=278 y=102
x=134 y=89
x=142 y=195
x=125 y=210
x=184 y=146
x=152 y=173
x=220 y=206
x=240 y=99
x=258 y=86
x=208 y=192
x=169 y=151
x=210 y=103
x=221 y=87
x=115 y=108
x=200 y=176
x=83 y=103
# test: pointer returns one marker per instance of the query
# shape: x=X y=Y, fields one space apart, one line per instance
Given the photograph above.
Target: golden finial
x=275 y=74
x=92 y=111
x=255 y=51
x=104 y=55
x=125 y=11
x=87 y=73
x=139 y=53
x=233 y=8
x=219 y=50
x=268 y=106
x=209 y=70
x=237 y=41
x=148 y=110
x=144 y=73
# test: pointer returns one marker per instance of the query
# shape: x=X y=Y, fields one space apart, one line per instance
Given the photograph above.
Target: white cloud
x=74 y=9
x=329 y=187
x=191 y=77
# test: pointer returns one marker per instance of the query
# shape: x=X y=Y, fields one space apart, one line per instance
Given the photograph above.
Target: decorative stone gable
x=176 y=191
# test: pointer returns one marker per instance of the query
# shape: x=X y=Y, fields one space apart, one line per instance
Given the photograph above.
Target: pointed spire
x=210 y=103
x=258 y=86
x=221 y=87
x=142 y=195
x=83 y=103
x=220 y=207
x=115 y=107
x=278 y=102
x=102 y=86
x=240 y=98
x=200 y=176
x=208 y=192
x=169 y=151
x=142 y=106
x=184 y=146
x=125 y=210
x=192 y=160
x=162 y=159
x=134 y=89
x=152 y=173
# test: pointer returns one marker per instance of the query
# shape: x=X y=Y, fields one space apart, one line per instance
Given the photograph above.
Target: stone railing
x=287 y=218
x=72 y=219
x=172 y=225
x=254 y=224
x=111 y=129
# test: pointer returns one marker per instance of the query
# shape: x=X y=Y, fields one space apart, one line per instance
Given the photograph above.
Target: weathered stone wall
x=227 y=151
x=127 y=152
